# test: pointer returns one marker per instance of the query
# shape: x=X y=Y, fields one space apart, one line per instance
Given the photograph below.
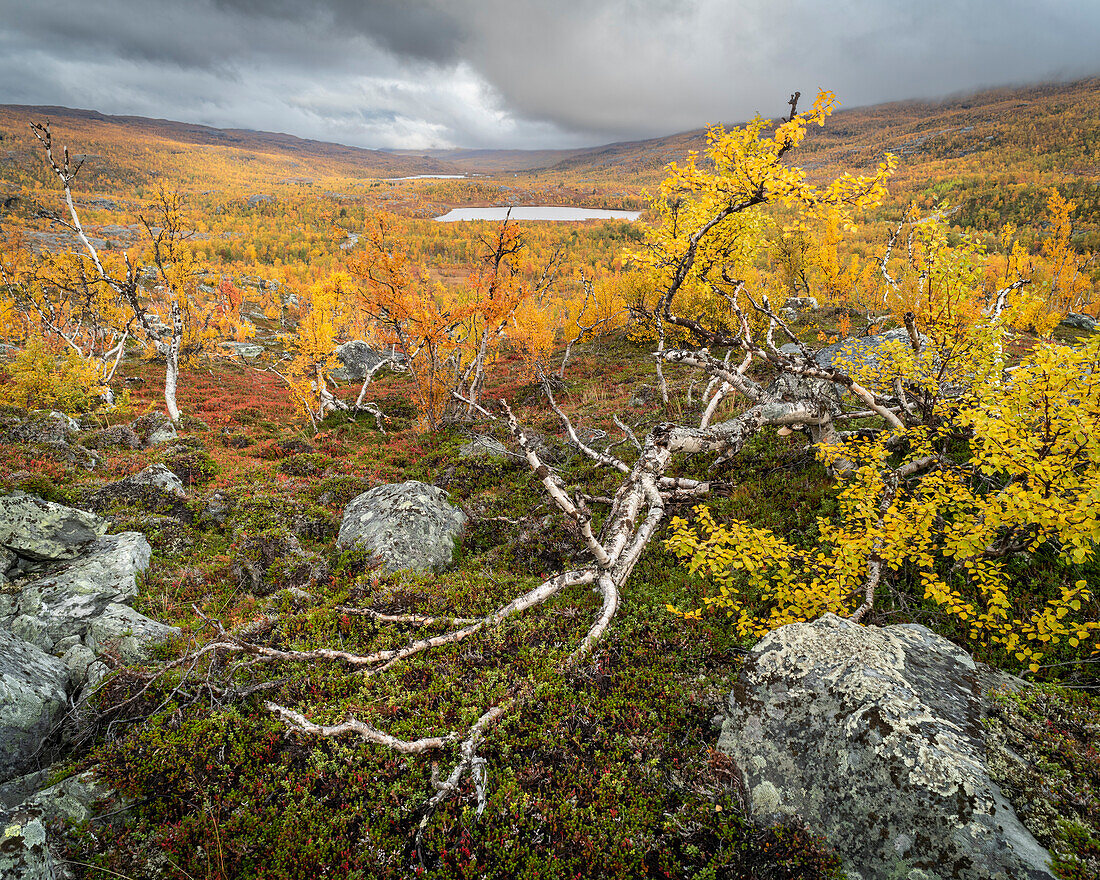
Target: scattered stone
x=33 y=696
x=154 y=429
x=357 y=358
x=484 y=447
x=259 y=199
x=644 y=395
x=247 y=350
x=802 y=303
x=44 y=531
x=873 y=737
x=1078 y=321
x=405 y=525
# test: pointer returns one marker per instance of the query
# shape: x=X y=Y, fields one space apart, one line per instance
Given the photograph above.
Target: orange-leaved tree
x=448 y=338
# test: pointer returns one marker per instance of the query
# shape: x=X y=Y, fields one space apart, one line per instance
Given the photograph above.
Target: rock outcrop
x=873 y=737
x=66 y=602
x=62 y=608
x=405 y=525
x=28 y=812
x=42 y=531
x=33 y=698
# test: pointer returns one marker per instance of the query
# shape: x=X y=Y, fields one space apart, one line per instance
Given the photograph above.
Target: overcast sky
x=520 y=73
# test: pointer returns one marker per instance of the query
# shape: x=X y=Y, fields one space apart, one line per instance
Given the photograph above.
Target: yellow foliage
x=706 y=207
x=1031 y=480
x=41 y=377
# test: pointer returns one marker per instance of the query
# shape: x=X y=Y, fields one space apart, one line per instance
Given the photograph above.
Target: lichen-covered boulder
x=484 y=447
x=64 y=602
x=873 y=737
x=862 y=350
x=29 y=812
x=160 y=477
x=126 y=633
x=405 y=525
x=154 y=429
x=24 y=853
x=44 y=531
x=357 y=358
x=53 y=429
x=32 y=699
x=1078 y=321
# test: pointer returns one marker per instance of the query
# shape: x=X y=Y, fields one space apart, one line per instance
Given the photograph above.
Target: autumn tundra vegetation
x=784 y=393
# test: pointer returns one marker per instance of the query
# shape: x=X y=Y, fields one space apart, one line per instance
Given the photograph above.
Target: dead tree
x=805 y=395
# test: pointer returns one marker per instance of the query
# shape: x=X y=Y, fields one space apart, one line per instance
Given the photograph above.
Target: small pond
x=429 y=177
x=536 y=212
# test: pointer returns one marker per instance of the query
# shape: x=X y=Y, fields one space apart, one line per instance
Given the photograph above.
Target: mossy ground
x=607 y=771
x=1046 y=759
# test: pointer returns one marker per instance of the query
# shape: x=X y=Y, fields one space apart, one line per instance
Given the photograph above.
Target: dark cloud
x=526 y=73
x=419 y=29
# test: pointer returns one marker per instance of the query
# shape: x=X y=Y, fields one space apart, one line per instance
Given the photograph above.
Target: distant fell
x=90 y=127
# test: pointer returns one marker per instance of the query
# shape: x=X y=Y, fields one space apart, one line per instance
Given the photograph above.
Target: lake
x=535 y=212
x=429 y=177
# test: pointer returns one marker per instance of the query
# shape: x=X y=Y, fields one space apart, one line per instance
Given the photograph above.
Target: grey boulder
x=32 y=700
x=64 y=603
x=44 y=531
x=484 y=447
x=405 y=525
x=1078 y=321
x=862 y=351
x=873 y=737
x=801 y=302
x=156 y=476
x=357 y=359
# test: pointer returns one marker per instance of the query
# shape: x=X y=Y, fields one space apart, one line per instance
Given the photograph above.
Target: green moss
x=1046 y=760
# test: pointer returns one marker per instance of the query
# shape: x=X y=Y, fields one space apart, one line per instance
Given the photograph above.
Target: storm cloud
x=520 y=73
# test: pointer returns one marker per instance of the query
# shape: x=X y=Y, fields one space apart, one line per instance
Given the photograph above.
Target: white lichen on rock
x=873 y=736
